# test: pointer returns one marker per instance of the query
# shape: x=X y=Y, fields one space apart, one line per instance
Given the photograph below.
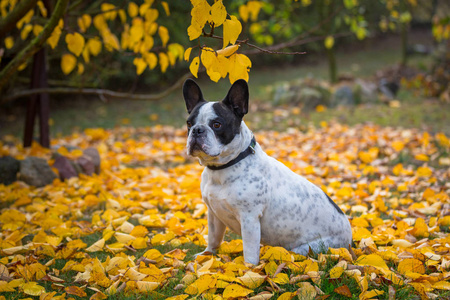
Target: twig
x=245 y=42
x=99 y=92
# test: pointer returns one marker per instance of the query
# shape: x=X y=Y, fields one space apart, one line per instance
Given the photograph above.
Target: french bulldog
x=248 y=191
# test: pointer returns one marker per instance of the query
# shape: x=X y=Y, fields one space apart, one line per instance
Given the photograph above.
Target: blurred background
x=380 y=61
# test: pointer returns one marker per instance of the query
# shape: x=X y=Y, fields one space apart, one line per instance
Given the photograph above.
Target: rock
x=310 y=98
x=86 y=164
x=65 y=167
x=366 y=90
x=388 y=88
x=343 y=97
x=93 y=154
x=9 y=167
x=36 y=171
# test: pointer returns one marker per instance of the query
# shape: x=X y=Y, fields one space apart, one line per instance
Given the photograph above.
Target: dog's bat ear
x=192 y=94
x=237 y=98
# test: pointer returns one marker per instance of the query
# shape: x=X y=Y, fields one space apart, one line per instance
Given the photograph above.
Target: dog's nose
x=198 y=131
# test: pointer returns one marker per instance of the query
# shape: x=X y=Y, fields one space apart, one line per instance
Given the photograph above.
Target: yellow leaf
x=163 y=34
x=411 y=265
x=163 y=61
x=277 y=253
x=306 y=291
x=420 y=228
x=80 y=68
x=133 y=9
x=84 y=22
x=281 y=278
x=37 y=29
x=228 y=50
x=286 y=296
x=218 y=13
x=398 y=146
x=187 y=53
x=97 y=246
x=442 y=285
x=33 y=289
x=202 y=284
x=24 y=33
x=166 y=7
x=421 y=157
x=254 y=7
x=239 y=67
x=424 y=171
x=329 y=42
x=6 y=287
x=75 y=43
x=94 y=46
x=194 y=31
x=372 y=260
x=68 y=63
x=151 y=59
x=109 y=11
x=9 y=42
x=252 y=280
x=231 y=30
x=194 y=66
x=336 y=272
x=235 y=291
x=146 y=286
x=370 y=294
x=54 y=38
x=140 y=64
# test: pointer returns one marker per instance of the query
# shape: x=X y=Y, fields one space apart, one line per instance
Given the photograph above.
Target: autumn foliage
x=134 y=228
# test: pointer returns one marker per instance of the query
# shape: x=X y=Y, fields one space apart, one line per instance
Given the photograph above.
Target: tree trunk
x=332 y=65
x=404 y=37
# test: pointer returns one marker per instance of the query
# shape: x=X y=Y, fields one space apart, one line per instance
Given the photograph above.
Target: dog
x=248 y=191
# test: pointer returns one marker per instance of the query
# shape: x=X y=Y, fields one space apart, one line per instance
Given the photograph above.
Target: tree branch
x=35 y=44
x=102 y=93
x=295 y=42
x=9 y=22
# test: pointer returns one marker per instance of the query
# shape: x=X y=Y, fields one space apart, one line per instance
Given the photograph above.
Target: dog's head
x=214 y=127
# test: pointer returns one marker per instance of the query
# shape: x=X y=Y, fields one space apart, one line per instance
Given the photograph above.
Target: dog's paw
x=206 y=252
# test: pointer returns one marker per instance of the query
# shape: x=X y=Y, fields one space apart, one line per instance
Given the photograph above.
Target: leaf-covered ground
x=133 y=229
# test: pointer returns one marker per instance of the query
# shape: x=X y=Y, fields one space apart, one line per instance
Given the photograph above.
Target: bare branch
x=259 y=49
x=102 y=93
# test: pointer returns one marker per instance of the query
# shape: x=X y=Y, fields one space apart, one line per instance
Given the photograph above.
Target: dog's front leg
x=251 y=237
x=216 y=231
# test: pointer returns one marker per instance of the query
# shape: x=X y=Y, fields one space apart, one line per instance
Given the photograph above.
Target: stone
x=9 y=167
x=65 y=167
x=86 y=164
x=366 y=90
x=343 y=97
x=93 y=154
x=36 y=171
x=311 y=98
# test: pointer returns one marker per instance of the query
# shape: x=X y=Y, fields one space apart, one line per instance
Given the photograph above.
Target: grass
x=78 y=113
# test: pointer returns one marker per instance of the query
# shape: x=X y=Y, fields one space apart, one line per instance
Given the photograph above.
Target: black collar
x=250 y=150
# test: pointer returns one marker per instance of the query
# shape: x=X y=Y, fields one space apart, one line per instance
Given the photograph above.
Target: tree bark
x=9 y=22
x=35 y=44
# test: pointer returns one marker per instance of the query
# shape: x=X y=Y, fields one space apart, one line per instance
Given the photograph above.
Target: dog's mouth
x=197 y=148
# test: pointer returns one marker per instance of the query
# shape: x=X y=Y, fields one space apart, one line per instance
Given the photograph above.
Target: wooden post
x=40 y=103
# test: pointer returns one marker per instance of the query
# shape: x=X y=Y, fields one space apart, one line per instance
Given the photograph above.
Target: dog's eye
x=189 y=124
x=217 y=125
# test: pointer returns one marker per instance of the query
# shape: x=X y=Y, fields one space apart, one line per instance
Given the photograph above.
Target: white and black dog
x=250 y=192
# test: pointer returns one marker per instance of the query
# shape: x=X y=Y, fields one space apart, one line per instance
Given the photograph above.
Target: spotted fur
x=258 y=198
